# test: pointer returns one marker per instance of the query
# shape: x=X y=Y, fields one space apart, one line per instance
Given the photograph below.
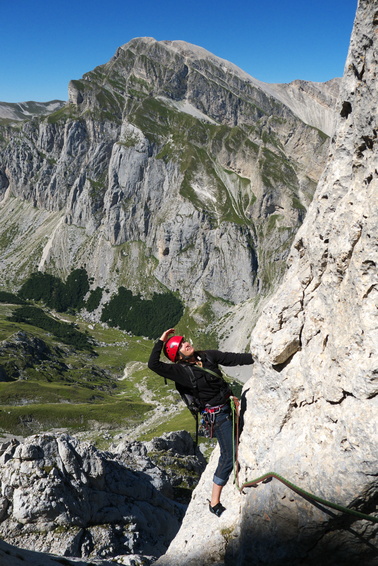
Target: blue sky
x=44 y=44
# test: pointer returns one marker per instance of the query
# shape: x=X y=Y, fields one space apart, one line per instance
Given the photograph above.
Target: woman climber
x=197 y=373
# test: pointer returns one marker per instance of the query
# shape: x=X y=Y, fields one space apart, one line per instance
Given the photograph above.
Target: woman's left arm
x=231 y=358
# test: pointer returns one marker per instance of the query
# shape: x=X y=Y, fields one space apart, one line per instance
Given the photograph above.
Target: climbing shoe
x=217 y=509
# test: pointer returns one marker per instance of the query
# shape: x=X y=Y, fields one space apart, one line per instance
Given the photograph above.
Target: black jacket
x=209 y=389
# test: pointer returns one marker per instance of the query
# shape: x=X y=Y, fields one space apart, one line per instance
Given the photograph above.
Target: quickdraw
x=208 y=418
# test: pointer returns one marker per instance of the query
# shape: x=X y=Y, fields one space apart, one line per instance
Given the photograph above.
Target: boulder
x=65 y=497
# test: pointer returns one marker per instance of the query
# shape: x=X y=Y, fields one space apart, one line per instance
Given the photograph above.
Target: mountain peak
x=312 y=102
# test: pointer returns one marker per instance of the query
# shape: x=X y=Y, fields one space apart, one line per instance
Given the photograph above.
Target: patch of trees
x=10 y=298
x=56 y=294
x=126 y=311
x=64 y=331
x=142 y=317
x=94 y=299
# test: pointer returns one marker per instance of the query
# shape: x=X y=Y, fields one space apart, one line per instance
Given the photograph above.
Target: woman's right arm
x=154 y=362
x=170 y=371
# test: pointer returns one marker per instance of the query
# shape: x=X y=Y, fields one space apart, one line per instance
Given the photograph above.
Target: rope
x=286 y=482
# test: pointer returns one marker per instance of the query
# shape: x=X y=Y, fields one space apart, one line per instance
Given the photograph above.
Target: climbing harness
x=268 y=476
x=214 y=410
x=208 y=417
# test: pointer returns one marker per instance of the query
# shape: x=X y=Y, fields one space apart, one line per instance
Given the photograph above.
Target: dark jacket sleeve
x=230 y=358
x=169 y=371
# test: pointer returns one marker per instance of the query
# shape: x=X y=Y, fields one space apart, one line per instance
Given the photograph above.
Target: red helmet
x=172 y=346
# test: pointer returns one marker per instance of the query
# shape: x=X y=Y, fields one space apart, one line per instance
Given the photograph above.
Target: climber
x=197 y=373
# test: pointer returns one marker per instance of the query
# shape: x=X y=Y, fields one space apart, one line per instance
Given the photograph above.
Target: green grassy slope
x=55 y=386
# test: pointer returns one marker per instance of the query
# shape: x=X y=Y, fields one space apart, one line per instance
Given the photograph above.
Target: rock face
x=310 y=409
x=62 y=496
x=169 y=168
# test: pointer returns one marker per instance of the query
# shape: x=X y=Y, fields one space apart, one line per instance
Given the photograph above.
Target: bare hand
x=164 y=337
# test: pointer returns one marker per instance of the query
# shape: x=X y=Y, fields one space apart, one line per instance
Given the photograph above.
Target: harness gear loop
x=292 y=486
x=209 y=414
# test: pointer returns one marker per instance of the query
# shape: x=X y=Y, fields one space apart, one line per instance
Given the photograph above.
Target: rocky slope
x=168 y=168
x=62 y=496
x=310 y=409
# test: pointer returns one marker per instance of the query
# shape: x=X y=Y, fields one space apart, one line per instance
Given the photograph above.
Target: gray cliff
x=310 y=407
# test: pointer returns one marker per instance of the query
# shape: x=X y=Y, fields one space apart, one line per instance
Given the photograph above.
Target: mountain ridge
x=285 y=92
x=17 y=111
x=181 y=160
